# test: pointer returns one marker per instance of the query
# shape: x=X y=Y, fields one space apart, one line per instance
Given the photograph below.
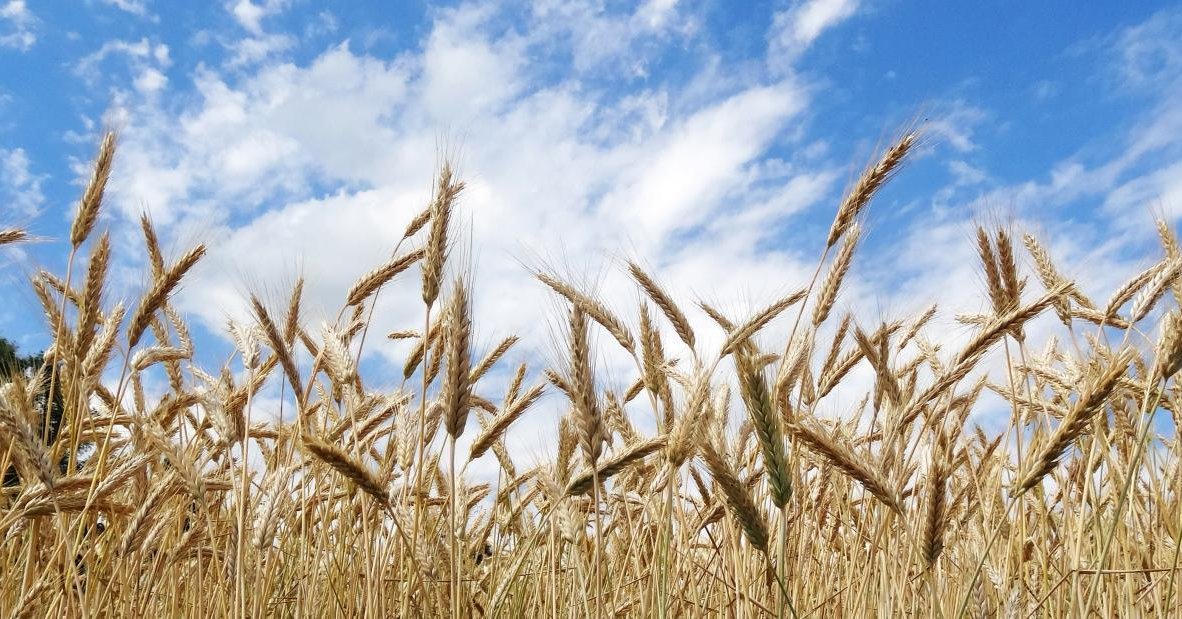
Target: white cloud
x=965 y=174
x=796 y=28
x=18 y=34
x=146 y=60
x=253 y=50
x=680 y=189
x=20 y=189
x=150 y=81
x=260 y=46
x=655 y=13
x=621 y=43
x=250 y=15
x=325 y=23
x=1150 y=52
x=814 y=16
x=954 y=123
x=140 y=54
x=698 y=162
x=463 y=73
x=135 y=7
x=1160 y=189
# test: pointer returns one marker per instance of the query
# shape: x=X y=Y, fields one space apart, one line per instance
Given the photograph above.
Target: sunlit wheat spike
x=745 y=331
x=1126 y=291
x=664 y=302
x=352 y=470
x=1090 y=402
x=581 y=484
x=1148 y=296
x=491 y=358
x=158 y=294
x=375 y=279
x=1008 y=265
x=501 y=422
x=152 y=245
x=1169 y=348
x=916 y=326
x=871 y=180
x=417 y=223
x=92 y=293
x=992 y=268
x=737 y=498
x=581 y=383
x=687 y=430
x=595 y=309
x=843 y=458
x=935 y=511
x=92 y=196
x=281 y=349
x=447 y=190
x=13 y=235
x=832 y=283
x=457 y=383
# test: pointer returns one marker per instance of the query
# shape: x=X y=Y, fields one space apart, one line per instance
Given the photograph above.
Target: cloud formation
x=16 y=26
x=20 y=188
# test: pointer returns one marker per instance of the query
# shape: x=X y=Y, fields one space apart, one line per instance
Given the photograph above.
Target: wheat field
x=744 y=502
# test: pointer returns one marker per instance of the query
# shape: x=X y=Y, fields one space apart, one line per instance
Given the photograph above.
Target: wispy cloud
x=20 y=188
x=148 y=60
x=796 y=28
x=18 y=22
x=135 y=7
x=1147 y=53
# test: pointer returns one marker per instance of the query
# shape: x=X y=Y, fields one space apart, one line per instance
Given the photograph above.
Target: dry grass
x=360 y=506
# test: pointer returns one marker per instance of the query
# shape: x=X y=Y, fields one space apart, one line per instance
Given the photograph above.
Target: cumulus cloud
x=537 y=164
x=560 y=173
x=259 y=46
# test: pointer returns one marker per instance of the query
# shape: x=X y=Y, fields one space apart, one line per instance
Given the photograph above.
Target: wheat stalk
x=92 y=197
x=871 y=180
x=737 y=498
x=843 y=459
x=664 y=302
x=1091 y=401
x=13 y=235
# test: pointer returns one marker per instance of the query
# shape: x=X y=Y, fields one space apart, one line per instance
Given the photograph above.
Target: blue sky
x=710 y=140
